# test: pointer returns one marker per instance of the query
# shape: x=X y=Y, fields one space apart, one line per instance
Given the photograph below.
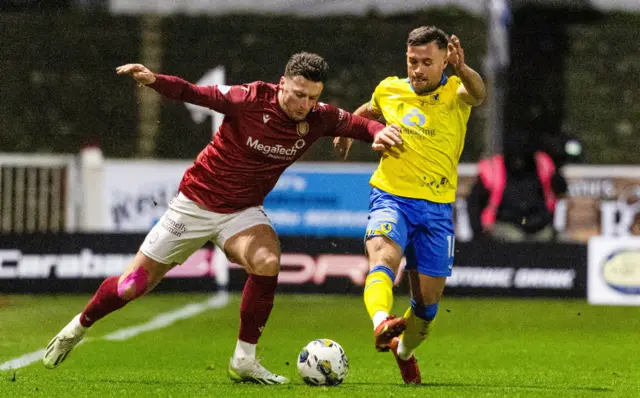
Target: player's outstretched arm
x=177 y=89
x=472 y=90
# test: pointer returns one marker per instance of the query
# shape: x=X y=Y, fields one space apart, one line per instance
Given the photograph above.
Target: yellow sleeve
x=460 y=101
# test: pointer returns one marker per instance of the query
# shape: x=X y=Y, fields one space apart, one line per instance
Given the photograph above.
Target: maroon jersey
x=256 y=142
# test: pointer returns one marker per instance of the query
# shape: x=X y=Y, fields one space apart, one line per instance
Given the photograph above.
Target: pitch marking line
x=219 y=300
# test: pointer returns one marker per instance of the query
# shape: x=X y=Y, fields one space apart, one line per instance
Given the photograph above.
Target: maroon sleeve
x=340 y=123
x=220 y=98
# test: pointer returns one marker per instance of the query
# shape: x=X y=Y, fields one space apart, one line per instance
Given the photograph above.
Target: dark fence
x=59 y=90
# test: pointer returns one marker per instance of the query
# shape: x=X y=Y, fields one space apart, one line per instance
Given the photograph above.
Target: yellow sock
x=378 y=291
x=416 y=332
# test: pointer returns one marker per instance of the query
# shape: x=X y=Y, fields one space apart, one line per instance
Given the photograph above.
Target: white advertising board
x=137 y=192
x=613 y=276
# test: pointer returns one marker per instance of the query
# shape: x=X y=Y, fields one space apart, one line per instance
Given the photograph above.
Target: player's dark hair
x=425 y=35
x=308 y=65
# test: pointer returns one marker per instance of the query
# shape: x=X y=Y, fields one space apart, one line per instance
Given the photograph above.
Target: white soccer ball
x=323 y=362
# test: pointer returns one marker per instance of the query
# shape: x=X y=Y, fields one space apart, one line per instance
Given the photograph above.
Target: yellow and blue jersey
x=433 y=131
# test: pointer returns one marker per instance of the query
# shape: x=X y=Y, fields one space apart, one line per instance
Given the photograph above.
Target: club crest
x=302 y=128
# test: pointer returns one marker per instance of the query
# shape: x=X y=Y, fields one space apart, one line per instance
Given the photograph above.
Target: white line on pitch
x=218 y=301
x=24 y=360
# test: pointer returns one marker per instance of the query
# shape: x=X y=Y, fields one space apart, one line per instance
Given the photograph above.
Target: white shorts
x=185 y=227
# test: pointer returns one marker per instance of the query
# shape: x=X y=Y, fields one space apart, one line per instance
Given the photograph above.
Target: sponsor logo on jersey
x=276 y=151
x=414 y=118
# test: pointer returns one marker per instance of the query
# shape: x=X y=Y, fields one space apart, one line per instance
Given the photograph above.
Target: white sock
x=378 y=317
x=244 y=350
x=78 y=329
x=403 y=352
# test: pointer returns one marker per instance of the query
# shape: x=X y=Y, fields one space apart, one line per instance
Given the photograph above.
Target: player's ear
x=281 y=82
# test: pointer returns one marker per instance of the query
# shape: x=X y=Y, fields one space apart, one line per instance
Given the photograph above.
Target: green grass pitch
x=478 y=348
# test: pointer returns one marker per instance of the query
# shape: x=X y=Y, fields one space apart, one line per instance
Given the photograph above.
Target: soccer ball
x=323 y=362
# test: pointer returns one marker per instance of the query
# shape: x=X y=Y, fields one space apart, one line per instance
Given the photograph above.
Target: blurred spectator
x=515 y=194
x=629 y=210
x=583 y=219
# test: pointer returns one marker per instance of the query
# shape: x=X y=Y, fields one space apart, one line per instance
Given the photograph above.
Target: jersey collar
x=443 y=80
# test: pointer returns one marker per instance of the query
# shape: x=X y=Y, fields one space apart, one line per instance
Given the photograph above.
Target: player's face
x=425 y=65
x=298 y=96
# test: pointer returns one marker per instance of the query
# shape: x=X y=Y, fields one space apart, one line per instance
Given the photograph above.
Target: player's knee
x=425 y=312
x=266 y=263
x=134 y=285
x=379 y=251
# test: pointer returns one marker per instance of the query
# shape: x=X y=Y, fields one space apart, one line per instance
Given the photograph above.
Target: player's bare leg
x=142 y=275
x=426 y=292
x=258 y=250
x=384 y=257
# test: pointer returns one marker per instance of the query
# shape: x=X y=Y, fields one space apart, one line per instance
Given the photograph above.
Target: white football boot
x=249 y=370
x=60 y=346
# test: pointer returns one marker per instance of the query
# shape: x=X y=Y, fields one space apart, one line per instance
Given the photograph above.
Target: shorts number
x=451 y=245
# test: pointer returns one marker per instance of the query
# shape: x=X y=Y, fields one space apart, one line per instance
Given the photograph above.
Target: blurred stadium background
x=88 y=163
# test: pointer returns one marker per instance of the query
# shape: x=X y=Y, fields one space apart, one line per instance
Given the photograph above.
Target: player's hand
x=455 y=53
x=140 y=73
x=342 y=145
x=387 y=138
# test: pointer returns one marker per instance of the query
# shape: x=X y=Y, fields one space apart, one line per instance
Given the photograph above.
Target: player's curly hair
x=308 y=65
x=425 y=35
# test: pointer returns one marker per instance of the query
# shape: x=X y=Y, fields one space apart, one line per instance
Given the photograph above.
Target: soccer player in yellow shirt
x=414 y=186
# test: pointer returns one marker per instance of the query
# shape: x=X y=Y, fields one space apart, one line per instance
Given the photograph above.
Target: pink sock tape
x=138 y=279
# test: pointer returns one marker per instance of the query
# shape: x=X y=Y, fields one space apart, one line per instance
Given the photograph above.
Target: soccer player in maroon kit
x=265 y=129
